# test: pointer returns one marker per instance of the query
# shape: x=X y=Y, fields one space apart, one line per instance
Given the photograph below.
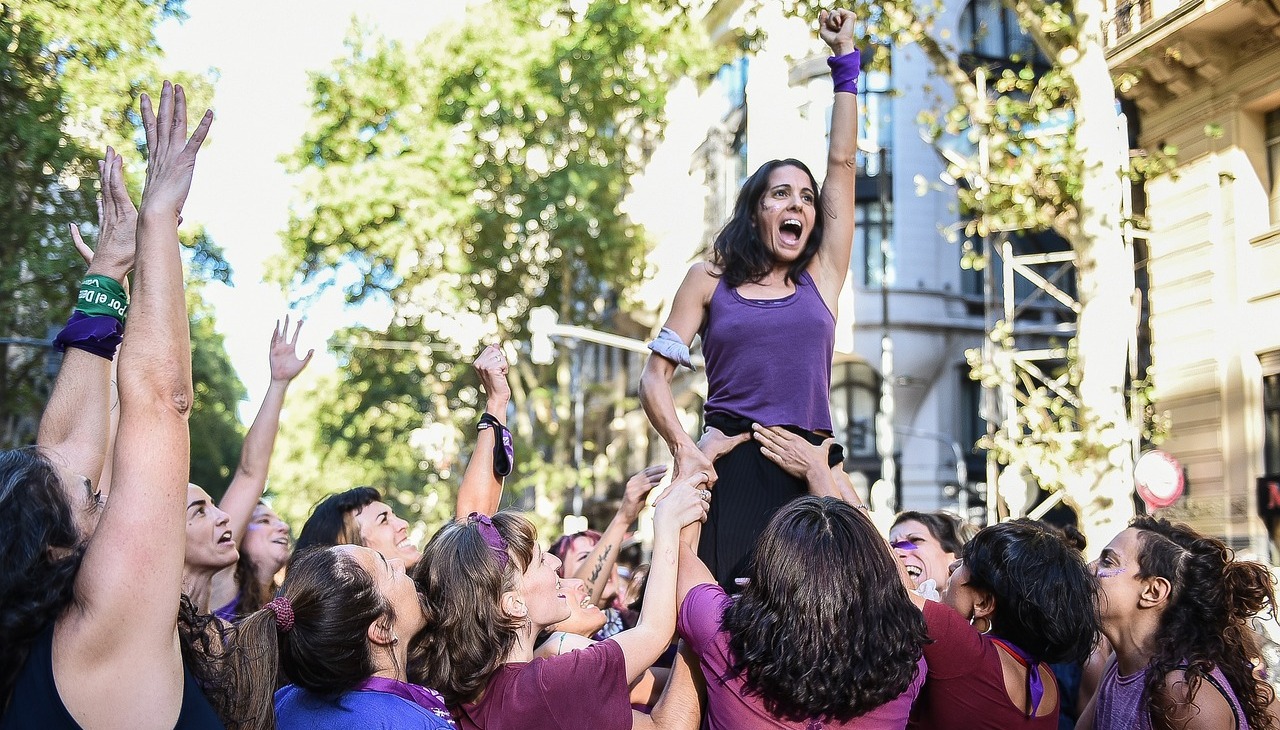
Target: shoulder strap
x=1228 y=696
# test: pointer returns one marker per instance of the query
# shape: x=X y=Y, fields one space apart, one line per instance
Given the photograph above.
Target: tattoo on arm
x=595 y=573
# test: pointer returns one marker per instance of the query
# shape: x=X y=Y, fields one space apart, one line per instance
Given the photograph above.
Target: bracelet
x=845 y=70
x=102 y=296
x=95 y=334
x=504 y=454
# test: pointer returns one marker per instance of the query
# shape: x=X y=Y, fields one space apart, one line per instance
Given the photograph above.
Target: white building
x=774 y=103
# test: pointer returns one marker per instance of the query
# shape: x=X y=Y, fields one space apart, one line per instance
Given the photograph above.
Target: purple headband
x=491 y=537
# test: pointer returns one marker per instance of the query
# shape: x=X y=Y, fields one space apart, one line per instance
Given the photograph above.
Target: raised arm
x=598 y=566
x=481 y=489
x=75 y=426
x=255 y=456
x=838 y=194
x=688 y=310
x=127 y=590
x=683 y=503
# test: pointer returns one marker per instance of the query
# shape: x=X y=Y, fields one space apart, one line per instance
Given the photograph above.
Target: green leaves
x=469 y=178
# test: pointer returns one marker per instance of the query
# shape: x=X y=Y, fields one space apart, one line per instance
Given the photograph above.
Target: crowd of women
x=131 y=599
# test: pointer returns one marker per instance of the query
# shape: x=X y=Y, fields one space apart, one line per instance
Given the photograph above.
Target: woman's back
x=730 y=706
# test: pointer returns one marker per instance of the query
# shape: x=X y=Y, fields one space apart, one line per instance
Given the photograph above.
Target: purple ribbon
x=491 y=536
x=427 y=699
x=845 y=70
x=1035 y=684
x=95 y=334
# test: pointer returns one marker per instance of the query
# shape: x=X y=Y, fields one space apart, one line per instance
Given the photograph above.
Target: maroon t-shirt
x=586 y=688
x=729 y=705
x=965 y=686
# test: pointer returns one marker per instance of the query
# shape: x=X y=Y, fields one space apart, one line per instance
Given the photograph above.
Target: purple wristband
x=845 y=70
x=96 y=334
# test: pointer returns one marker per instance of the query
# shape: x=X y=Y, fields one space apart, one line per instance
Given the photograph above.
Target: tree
x=474 y=177
x=1019 y=178
x=70 y=74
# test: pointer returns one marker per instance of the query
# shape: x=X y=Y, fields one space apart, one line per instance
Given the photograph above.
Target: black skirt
x=749 y=490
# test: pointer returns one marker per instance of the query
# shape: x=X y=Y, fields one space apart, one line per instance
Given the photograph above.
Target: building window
x=854 y=399
x=1273 y=163
x=875 y=122
x=1271 y=416
x=990 y=35
x=873 y=223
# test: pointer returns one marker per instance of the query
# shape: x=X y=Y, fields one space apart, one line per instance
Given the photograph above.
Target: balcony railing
x=1129 y=17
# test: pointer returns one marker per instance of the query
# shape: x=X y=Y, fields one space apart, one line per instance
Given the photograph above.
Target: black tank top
x=35 y=704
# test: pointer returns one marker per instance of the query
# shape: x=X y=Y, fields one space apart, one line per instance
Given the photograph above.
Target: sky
x=260 y=53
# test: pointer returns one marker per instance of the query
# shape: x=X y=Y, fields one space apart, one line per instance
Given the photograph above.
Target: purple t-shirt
x=728 y=708
x=298 y=709
x=585 y=688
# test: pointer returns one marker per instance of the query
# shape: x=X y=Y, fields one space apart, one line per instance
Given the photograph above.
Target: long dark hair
x=1213 y=596
x=41 y=550
x=824 y=628
x=1045 y=596
x=468 y=635
x=334 y=600
x=40 y=553
x=740 y=252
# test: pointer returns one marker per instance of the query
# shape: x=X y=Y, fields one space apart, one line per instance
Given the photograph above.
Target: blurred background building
x=1204 y=78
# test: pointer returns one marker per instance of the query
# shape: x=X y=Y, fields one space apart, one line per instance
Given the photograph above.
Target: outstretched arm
x=838 y=194
x=683 y=503
x=688 y=310
x=481 y=489
x=124 y=621
x=598 y=566
x=255 y=456
x=76 y=422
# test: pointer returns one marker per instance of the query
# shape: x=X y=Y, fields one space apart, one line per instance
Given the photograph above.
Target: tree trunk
x=1101 y=489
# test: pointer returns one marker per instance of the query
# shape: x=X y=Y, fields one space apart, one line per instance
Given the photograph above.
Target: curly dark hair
x=950 y=530
x=1045 y=597
x=1205 y=625
x=332 y=521
x=468 y=635
x=40 y=553
x=824 y=628
x=740 y=252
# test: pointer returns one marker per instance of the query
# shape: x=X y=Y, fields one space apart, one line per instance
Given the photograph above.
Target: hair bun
x=1248 y=587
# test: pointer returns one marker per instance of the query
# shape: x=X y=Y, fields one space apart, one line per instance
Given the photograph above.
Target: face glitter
x=1108 y=572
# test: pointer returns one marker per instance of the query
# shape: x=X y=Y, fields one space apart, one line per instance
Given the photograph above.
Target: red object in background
x=1159 y=479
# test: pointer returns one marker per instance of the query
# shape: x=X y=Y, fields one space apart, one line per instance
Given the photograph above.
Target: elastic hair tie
x=283 y=610
x=491 y=537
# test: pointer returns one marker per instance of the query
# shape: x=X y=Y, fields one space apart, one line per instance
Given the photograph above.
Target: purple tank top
x=1122 y=706
x=770 y=360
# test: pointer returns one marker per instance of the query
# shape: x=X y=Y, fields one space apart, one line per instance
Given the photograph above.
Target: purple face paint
x=1108 y=572
x=904 y=545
